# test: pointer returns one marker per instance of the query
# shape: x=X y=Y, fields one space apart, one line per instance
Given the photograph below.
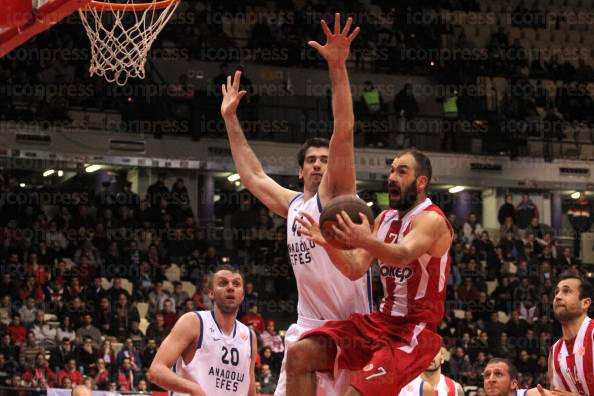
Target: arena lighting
x=60 y=173
x=22 y=185
x=455 y=189
x=237 y=183
x=575 y=195
x=92 y=168
x=234 y=177
x=370 y=204
x=48 y=172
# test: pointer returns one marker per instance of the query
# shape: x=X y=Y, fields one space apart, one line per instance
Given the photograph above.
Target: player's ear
x=422 y=182
x=586 y=302
x=514 y=384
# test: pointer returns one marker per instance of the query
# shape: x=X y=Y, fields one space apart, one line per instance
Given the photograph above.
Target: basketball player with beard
x=211 y=352
x=433 y=382
x=411 y=241
x=571 y=358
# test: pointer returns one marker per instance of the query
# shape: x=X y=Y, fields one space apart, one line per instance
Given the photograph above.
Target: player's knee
x=299 y=357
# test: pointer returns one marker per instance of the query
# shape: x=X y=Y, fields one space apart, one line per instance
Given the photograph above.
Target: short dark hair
x=223 y=267
x=585 y=285
x=313 y=142
x=511 y=368
x=423 y=167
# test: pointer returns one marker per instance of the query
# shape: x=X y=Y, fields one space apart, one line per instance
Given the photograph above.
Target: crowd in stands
x=87 y=295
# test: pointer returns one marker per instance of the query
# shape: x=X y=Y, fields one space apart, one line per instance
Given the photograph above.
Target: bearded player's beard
x=407 y=197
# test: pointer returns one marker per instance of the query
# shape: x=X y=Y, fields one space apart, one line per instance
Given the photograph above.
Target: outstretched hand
x=231 y=95
x=356 y=235
x=311 y=229
x=337 y=47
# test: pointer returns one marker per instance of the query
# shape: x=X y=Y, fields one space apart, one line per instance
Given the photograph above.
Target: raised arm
x=184 y=334
x=251 y=172
x=340 y=176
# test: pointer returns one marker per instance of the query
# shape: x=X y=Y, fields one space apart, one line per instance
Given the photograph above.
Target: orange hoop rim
x=106 y=6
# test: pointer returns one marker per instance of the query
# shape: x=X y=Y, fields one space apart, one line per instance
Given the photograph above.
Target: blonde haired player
x=327 y=170
x=432 y=382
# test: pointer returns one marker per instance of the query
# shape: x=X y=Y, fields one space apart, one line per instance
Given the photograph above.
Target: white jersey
x=445 y=387
x=324 y=292
x=221 y=364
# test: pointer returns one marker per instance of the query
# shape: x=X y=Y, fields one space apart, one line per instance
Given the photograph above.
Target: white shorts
x=326 y=385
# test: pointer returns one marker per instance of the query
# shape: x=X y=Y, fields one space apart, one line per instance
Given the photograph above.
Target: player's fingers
x=352 y=36
x=347 y=219
x=229 y=83
x=337 y=23
x=364 y=219
x=341 y=221
x=236 y=79
x=304 y=223
x=241 y=94
x=325 y=28
x=223 y=89
x=338 y=234
x=308 y=217
x=347 y=26
x=315 y=44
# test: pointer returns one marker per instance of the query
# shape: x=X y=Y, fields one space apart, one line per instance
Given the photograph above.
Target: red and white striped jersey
x=417 y=290
x=573 y=361
x=445 y=387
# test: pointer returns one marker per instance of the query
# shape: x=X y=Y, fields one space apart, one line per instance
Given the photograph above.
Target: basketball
x=352 y=205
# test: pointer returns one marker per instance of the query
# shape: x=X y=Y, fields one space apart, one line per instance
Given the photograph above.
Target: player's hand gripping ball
x=352 y=205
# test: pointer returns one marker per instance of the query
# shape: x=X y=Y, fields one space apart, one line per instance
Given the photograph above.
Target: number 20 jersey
x=221 y=364
x=324 y=292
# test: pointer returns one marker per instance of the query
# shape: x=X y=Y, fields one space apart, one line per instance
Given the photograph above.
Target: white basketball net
x=121 y=39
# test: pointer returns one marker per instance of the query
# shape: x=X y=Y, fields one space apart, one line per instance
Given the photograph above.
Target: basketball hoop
x=122 y=33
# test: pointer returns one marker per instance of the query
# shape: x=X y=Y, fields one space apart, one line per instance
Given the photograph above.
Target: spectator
x=44 y=333
x=460 y=366
x=29 y=350
x=169 y=315
x=179 y=295
x=5 y=310
x=405 y=104
x=536 y=228
x=148 y=354
x=125 y=376
x=253 y=319
x=87 y=355
x=39 y=375
x=129 y=352
x=70 y=372
x=62 y=354
x=567 y=259
x=579 y=215
x=156 y=298
x=124 y=315
x=271 y=339
x=108 y=355
x=471 y=229
x=136 y=335
x=156 y=330
x=16 y=330
x=27 y=312
x=507 y=209
x=525 y=212
x=102 y=375
x=267 y=379
x=88 y=330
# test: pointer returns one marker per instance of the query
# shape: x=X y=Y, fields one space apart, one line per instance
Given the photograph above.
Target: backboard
x=21 y=20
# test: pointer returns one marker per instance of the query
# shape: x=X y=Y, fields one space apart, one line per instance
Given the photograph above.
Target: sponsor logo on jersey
x=400 y=273
x=243 y=337
x=369 y=367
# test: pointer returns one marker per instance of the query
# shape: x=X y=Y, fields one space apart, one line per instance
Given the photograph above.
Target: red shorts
x=385 y=353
